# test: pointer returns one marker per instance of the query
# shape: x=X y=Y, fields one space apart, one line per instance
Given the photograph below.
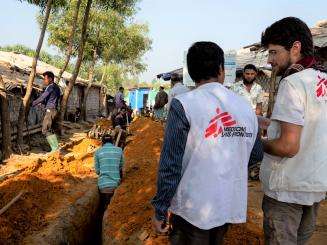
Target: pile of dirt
x=51 y=184
x=128 y=218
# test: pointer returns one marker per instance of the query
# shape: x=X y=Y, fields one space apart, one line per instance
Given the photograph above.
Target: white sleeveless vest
x=213 y=187
x=307 y=170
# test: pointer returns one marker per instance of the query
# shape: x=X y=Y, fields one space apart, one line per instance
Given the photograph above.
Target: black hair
x=176 y=77
x=250 y=67
x=121 y=88
x=162 y=87
x=204 y=60
x=49 y=74
x=287 y=31
x=107 y=139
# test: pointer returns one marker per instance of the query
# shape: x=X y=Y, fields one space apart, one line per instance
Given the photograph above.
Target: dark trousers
x=48 y=121
x=105 y=198
x=188 y=234
x=288 y=223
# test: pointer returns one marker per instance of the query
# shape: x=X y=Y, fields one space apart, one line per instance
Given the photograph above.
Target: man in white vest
x=177 y=87
x=209 y=137
x=294 y=168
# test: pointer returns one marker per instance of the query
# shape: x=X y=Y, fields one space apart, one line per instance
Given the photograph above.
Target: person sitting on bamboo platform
x=50 y=98
x=108 y=163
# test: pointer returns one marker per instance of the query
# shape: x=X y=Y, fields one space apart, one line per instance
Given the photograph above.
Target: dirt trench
x=60 y=203
x=128 y=218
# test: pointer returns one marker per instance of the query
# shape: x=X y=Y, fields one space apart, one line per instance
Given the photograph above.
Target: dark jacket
x=50 y=97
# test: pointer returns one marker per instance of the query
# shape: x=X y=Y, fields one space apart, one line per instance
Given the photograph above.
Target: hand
x=263 y=122
x=160 y=226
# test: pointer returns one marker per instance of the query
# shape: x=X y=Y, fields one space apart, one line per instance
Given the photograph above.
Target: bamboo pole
x=118 y=137
x=15 y=199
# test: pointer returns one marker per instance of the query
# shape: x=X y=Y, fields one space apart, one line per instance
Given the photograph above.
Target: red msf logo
x=321 y=89
x=216 y=124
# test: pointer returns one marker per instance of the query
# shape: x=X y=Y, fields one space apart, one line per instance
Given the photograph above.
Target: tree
x=47 y=5
x=108 y=38
x=69 y=50
x=5 y=121
x=71 y=83
x=122 y=7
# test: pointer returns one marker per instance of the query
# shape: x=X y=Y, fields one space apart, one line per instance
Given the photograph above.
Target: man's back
x=222 y=133
x=108 y=164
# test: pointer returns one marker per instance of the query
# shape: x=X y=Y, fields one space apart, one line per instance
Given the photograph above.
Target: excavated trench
x=61 y=203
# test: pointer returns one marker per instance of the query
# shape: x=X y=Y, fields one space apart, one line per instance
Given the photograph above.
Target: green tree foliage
x=42 y=3
x=117 y=41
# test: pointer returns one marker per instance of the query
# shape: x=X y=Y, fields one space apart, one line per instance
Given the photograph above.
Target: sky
x=175 y=25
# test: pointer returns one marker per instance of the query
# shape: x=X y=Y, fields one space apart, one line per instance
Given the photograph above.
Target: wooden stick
x=5 y=208
x=118 y=137
x=272 y=93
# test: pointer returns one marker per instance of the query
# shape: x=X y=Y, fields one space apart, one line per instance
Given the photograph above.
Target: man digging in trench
x=108 y=164
x=209 y=137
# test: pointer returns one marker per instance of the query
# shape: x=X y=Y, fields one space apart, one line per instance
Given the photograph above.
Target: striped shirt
x=108 y=162
x=170 y=165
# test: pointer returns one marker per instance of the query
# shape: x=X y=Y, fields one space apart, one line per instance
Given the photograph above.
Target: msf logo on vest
x=321 y=89
x=224 y=125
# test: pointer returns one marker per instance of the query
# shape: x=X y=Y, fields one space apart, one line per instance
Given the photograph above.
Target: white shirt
x=254 y=97
x=213 y=187
x=290 y=107
x=178 y=88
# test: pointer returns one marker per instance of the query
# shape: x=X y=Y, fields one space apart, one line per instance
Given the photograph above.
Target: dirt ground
x=51 y=183
x=128 y=218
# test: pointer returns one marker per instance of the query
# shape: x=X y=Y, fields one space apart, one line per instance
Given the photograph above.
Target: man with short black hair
x=50 y=98
x=177 y=87
x=108 y=164
x=249 y=89
x=294 y=169
x=202 y=177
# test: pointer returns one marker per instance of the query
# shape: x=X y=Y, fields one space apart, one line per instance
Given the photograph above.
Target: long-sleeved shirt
x=108 y=162
x=170 y=166
x=50 y=97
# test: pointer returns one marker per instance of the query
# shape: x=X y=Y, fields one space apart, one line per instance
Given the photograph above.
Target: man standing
x=177 y=87
x=50 y=98
x=249 y=89
x=108 y=162
x=119 y=99
x=159 y=106
x=209 y=136
x=294 y=168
